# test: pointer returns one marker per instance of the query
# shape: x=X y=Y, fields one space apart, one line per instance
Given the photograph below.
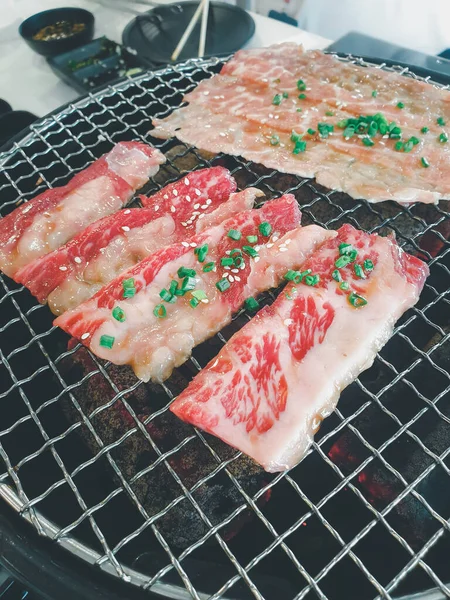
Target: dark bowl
x=33 y=24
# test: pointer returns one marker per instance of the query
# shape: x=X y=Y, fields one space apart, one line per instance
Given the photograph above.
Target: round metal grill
x=93 y=459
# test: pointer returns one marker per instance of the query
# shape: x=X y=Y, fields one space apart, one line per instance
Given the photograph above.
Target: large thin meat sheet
x=76 y=271
x=48 y=221
x=373 y=134
x=153 y=315
x=274 y=381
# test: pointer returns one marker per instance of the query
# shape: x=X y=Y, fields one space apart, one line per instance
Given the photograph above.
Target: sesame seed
x=277 y=116
x=257 y=248
x=188 y=198
x=85 y=335
x=185 y=244
x=231 y=278
x=225 y=275
x=77 y=259
x=166 y=197
x=125 y=228
x=257 y=259
x=236 y=278
x=209 y=201
x=203 y=206
x=184 y=224
x=186 y=181
x=206 y=93
x=156 y=206
x=222 y=134
x=63 y=268
x=198 y=192
x=193 y=245
x=271 y=115
x=288 y=241
x=235 y=270
x=175 y=192
x=288 y=321
x=283 y=249
x=227 y=251
x=127 y=212
x=242 y=266
x=227 y=268
x=196 y=206
x=205 y=301
x=275 y=238
x=269 y=245
x=201 y=216
x=172 y=209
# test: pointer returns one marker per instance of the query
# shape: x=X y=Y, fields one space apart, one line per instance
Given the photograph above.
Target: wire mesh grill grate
x=93 y=458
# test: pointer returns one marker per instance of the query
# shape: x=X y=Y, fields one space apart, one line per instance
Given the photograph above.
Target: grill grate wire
x=68 y=141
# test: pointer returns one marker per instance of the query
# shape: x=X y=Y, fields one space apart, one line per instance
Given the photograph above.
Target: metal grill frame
x=11 y=489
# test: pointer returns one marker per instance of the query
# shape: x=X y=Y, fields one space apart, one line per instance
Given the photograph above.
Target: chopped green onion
x=184 y=272
x=359 y=271
x=398 y=146
x=299 y=147
x=252 y=239
x=368 y=142
x=329 y=113
x=227 y=261
x=118 y=314
x=234 y=234
x=107 y=341
x=285 y=95
x=443 y=138
x=223 y=284
x=173 y=286
x=440 y=121
x=312 y=279
x=238 y=261
x=289 y=275
x=408 y=146
x=274 y=140
x=345 y=248
x=166 y=296
x=295 y=137
x=424 y=162
x=250 y=251
x=325 y=129
x=251 y=304
x=414 y=140
x=277 y=80
x=356 y=300
x=299 y=109
x=277 y=99
x=342 y=261
x=201 y=252
x=160 y=311
x=301 y=85
x=373 y=128
x=336 y=275
x=208 y=267
x=368 y=265
x=382 y=128
x=194 y=302
x=425 y=130
x=301 y=96
x=235 y=251
x=199 y=294
x=395 y=132
x=265 y=228
x=344 y=286
x=179 y=292
x=400 y=105
x=311 y=131
x=374 y=93
x=349 y=132
x=342 y=124
x=188 y=284
x=128 y=288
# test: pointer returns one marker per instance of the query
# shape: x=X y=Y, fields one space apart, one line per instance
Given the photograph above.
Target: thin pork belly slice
x=153 y=315
x=76 y=271
x=51 y=219
x=274 y=381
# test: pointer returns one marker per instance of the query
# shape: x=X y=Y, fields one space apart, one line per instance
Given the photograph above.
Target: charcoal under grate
x=93 y=459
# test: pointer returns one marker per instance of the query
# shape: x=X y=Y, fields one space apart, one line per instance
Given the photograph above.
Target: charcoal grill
x=364 y=515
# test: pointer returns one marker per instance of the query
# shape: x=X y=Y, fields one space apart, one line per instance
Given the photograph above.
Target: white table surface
x=27 y=82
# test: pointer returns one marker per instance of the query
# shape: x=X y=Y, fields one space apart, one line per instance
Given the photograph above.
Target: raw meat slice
x=55 y=216
x=152 y=343
x=253 y=107
x=274 y=381
x=76 y=271
x=201 y=187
